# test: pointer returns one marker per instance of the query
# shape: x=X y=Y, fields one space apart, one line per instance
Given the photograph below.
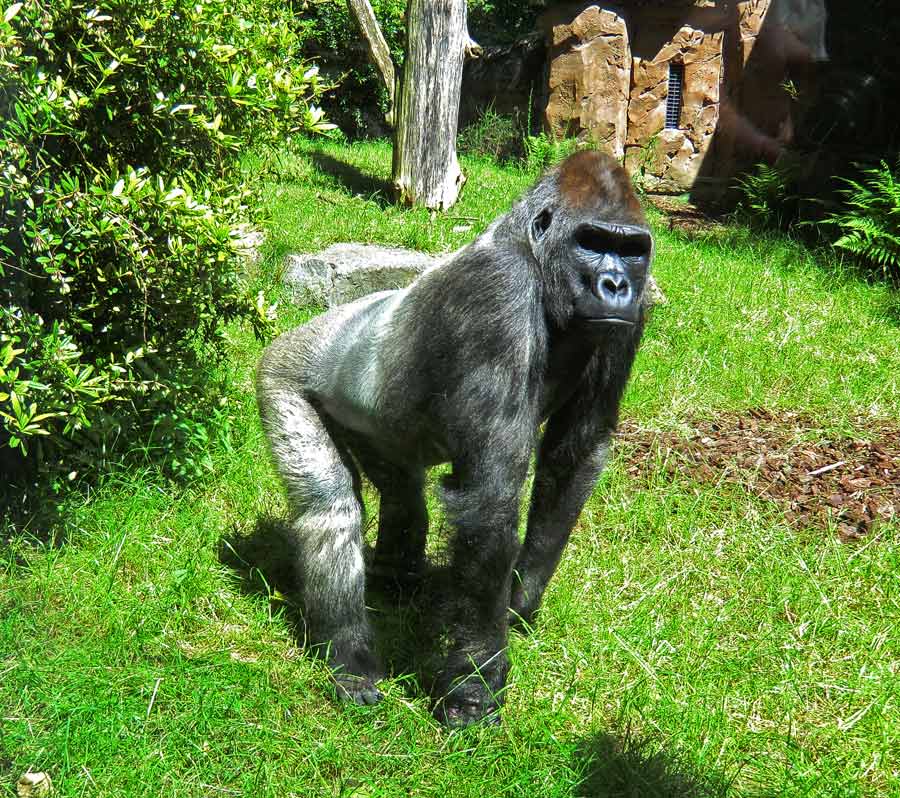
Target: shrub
x=544 y=149
x=869 y=222
x=492 y=135
x=118 y=268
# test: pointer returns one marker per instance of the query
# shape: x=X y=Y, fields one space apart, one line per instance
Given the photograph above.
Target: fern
x=766 y=199
x=869 y=223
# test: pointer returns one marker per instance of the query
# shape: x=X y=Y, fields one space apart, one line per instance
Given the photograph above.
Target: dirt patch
x=684 y=216
x=818 y=480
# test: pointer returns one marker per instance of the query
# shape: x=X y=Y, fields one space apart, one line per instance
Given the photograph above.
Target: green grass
x=691 y=644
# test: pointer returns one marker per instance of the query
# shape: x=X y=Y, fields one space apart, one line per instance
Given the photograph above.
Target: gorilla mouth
x=614 y=320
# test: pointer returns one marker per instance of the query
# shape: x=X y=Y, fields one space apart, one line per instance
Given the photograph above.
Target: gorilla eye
x=604 y=239
x=541 y=223
x=635 y=247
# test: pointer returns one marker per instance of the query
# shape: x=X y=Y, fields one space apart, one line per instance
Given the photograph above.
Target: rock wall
x=510 y=79
x=669 y=159
x=589 y=75
x=608 y=80
x=759 y=89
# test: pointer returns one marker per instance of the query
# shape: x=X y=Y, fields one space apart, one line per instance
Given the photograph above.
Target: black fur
x=537 y=320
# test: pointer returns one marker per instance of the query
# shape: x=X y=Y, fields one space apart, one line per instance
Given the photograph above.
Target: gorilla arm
x=571 y=456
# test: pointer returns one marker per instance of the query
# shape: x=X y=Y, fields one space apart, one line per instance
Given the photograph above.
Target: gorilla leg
x=326 y=532
x=557 y=500
x=471 y=684
x=402 y=522
x=572 y=454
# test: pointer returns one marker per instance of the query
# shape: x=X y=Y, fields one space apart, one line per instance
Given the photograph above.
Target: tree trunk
x=379 y=54
x=426 y=171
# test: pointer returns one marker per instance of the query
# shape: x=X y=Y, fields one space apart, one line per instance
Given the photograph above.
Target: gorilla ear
x=541 y=223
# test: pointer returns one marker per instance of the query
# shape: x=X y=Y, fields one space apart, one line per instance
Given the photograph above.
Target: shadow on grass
x=31 y=516
x=410 y=641
x=261 y=559
x=264 y=569
x=625 y=767
x=407 y=624
x=376 y=189
x=890 y=306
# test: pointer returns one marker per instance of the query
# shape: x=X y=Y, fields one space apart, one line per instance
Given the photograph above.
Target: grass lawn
x=693 y=641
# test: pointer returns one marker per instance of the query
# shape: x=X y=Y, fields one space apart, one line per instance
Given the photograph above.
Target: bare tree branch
x=379 y=54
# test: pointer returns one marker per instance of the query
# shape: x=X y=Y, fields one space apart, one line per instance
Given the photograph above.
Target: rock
x=766 y=46
x=34 y=785
x=589 y=75
x=653 y=294
x=669 y=159
x=248 y=242
x=751 y=14
x=308 y=277
x=345 y=272
x=355 y=278
x=507 y=78
x=609 y=82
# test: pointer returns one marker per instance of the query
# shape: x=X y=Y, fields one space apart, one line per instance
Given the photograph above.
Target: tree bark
x=379 y=54
x=426 y=171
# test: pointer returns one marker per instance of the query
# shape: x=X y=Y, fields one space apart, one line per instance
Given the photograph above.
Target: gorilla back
x=537 y=320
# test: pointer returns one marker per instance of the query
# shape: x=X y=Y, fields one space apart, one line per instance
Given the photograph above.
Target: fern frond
x=869 y=223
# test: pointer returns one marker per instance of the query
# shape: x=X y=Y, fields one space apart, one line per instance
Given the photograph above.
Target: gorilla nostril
x=613 y=285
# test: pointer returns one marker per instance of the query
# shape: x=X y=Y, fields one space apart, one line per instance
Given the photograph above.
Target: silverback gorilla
x=537 y=320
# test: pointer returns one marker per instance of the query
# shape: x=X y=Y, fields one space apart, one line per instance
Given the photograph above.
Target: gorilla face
x=592 y=243
x=609 y=264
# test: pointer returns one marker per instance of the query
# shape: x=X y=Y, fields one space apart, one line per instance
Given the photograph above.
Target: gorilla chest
x=571 y=360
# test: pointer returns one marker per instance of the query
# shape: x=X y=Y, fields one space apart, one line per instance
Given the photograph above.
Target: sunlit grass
x=692 y=643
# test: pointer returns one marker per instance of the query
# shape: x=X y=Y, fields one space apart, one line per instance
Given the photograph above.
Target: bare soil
x=851 y=484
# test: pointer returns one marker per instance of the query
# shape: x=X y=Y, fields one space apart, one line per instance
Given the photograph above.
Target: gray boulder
x=345 y=272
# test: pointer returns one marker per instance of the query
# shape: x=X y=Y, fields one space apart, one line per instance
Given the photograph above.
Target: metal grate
x=673 y=100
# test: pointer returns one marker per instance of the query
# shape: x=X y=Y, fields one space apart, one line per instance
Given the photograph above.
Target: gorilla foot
x=357 y=689
x=472 y=696
x=463 y=707
x=355 y=671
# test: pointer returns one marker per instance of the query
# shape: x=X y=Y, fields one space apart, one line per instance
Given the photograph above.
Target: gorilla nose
x=613 y=287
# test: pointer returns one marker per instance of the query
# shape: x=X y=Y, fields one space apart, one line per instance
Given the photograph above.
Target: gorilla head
x=585 y=228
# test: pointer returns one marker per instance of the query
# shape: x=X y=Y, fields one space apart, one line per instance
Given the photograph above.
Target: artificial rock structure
x=678 y=89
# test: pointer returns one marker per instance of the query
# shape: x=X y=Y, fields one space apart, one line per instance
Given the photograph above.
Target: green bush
x=492 y=135
x=869 y=222
x=545 y=149
x=118 y=265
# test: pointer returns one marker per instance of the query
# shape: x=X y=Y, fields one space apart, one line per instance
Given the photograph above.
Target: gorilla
x=521 y=342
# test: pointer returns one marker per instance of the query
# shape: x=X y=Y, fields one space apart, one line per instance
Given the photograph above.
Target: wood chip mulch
x=818 y=481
